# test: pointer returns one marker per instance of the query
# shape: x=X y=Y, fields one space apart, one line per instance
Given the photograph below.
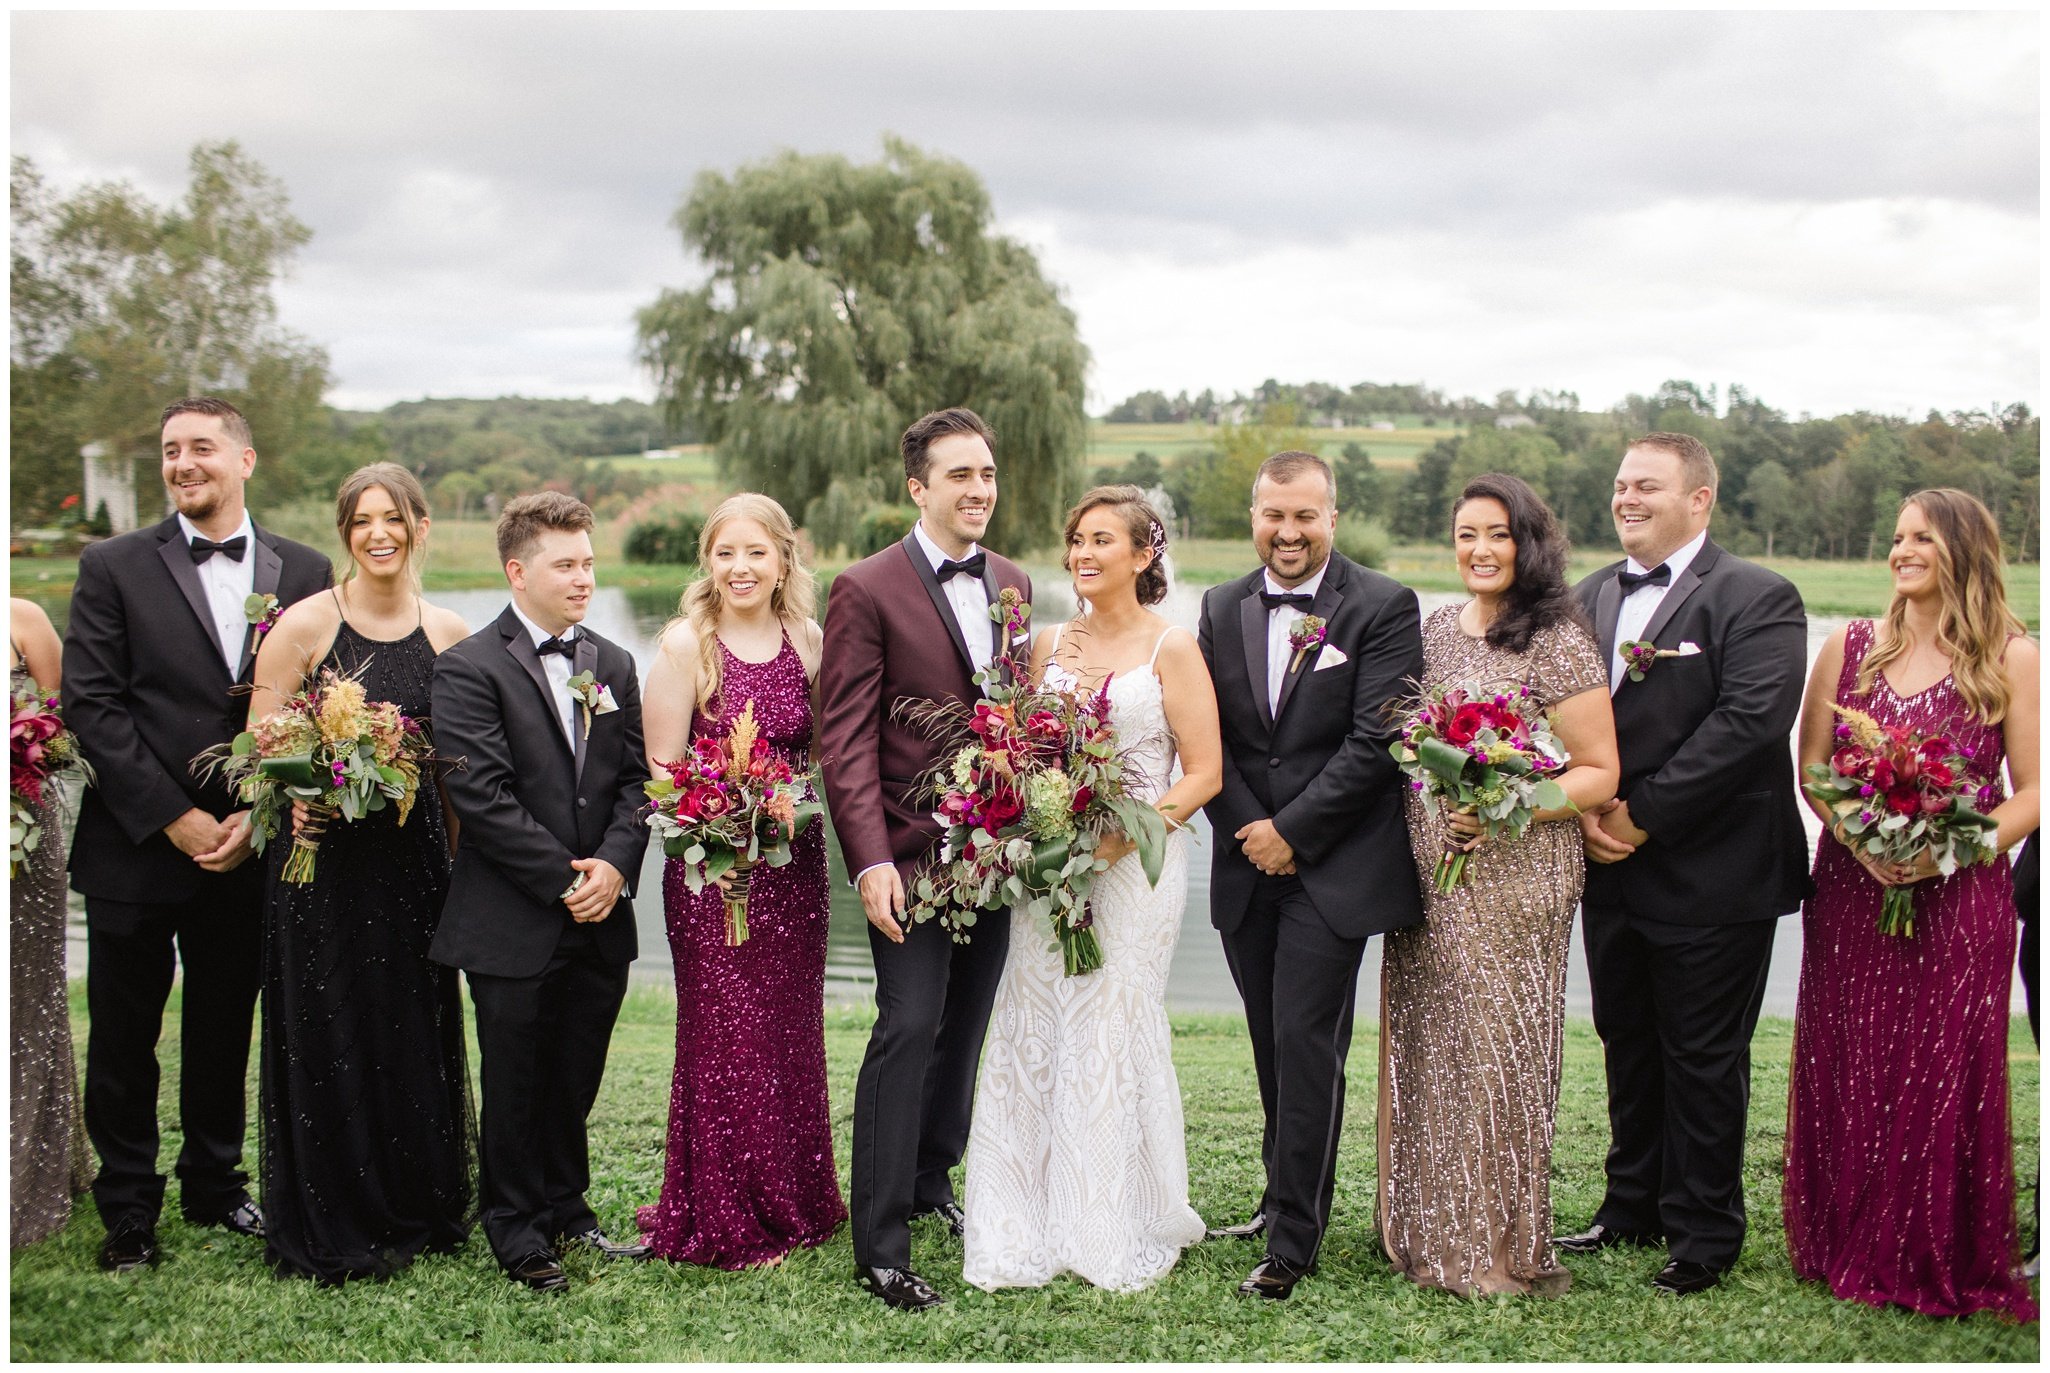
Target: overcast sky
x=1834 y=211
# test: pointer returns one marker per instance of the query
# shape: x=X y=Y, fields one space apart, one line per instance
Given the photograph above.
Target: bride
x=1076 y=1162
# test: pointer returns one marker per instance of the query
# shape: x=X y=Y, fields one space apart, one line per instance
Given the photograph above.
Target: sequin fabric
x=749 y=1174
x=46 y=1149
x=1900 y=1185
x=1473 y=1009
x=367 y=1128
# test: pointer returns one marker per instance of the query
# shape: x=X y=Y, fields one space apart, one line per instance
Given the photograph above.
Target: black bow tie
x=202 y=549
x=1658 y=576
x=972 y=565
x=566 y=647
x=1274 y=600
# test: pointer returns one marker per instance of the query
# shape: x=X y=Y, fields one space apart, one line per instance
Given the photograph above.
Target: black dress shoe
x=604 y=1246
x=246 y=1219
x=130 y=1245
x=1244 y=1230
x=955 y=1218
x=898 y=1287
x=1681 y=1278
x=1274 y=1278
x=1597 y=1237
x=539 y=1271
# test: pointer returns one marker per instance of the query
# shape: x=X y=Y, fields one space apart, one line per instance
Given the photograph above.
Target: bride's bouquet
x=1489 y=753
x=1026 y=797
x=39 y=752
x=331 y=747
x=1893 y=792
x=727 y=805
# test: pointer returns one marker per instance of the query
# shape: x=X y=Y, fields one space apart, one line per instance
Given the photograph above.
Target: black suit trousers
x=1675 y=1006
x=132 y=952
x=1297 y=979
x=541 y=1043
x=917 y=1083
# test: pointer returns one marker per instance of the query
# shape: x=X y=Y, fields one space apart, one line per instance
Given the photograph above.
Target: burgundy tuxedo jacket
x=890 y=635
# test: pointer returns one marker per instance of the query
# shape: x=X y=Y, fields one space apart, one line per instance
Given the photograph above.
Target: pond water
x=1199 y=980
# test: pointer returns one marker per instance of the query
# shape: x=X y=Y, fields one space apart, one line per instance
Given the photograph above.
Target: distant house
x=1383 y=426
x=1515 y=422
x=110 y=481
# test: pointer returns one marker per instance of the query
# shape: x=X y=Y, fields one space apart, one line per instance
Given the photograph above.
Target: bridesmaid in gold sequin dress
x=46 y=1153
x=1473 y=1000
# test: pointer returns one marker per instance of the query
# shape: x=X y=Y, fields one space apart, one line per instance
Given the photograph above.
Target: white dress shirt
x=1280 y=621
x=1643 y=603
x=965 y=595
x=558 y=671
x=228 y=585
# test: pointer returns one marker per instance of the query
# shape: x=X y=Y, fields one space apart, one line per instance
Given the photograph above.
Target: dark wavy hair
x=1539 y=597
x=1142 y=523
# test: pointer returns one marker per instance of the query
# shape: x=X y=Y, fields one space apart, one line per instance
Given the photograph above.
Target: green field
x=213 y=1299
x=1114 y=445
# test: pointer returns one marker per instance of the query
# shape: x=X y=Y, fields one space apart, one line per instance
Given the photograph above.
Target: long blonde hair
x=1973 y=622
x=406 y=493
x=793 y=599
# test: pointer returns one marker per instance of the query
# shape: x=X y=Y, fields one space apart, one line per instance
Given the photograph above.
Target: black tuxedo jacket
x=529 y=802
x=146 y=691
x=1320 y=768
x=1708 y=768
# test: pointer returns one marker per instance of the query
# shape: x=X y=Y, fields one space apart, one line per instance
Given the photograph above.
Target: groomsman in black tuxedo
x=1309 y=853
x=156 y=671
x=1694 y=861
x=546 y=716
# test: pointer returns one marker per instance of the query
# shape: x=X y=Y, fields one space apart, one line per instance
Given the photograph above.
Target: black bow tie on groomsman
x=203 y=548
x=1629 y=581
x=1274 y=600
x=566 y=647
x=972 y=565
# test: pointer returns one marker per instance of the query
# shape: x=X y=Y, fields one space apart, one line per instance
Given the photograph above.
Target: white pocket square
x=1687 y=649
x=1331 y=655
x=606 y=705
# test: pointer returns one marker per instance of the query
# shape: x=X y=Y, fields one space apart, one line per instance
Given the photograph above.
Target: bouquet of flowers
x=40 y=750
x=1489 y=753
x=727 y=805
x=1894 y=792
x=331 y=747
x=1035 y=783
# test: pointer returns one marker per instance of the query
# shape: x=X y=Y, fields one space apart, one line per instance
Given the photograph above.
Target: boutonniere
x=593 y=695
x=262 y=611
x=1640 y=654
x=1305 y=634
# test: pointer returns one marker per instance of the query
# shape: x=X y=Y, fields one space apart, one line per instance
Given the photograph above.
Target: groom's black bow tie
x=1658 y=576
x=972 y=565
x=203 y=548
x=1274 y=600
x=566 y=647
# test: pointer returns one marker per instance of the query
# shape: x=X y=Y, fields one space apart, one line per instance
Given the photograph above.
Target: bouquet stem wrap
x=736 y=903
x=299 y=862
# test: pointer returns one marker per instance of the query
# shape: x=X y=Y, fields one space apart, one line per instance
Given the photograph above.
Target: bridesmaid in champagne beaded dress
x=1473 y=1001
x=364 y=1105
x=1900 y=1186
x=47 y=1157
x=749 y=1173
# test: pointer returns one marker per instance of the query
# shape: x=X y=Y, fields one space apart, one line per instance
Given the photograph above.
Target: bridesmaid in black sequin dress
x=749 y=1174
x=366 y=1156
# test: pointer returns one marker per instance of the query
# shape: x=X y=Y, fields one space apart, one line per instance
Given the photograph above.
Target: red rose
x=1082 y=797
x=1467 y=721
x=1903 y=799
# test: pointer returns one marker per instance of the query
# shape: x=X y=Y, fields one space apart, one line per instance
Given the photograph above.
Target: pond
x=1199 y=980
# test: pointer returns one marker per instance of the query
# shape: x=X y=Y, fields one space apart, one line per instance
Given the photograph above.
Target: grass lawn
x=1395 y=450
x=213 y=1299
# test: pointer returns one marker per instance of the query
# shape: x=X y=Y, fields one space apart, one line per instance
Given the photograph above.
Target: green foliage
x=883 y=526
x=1222 y=493
x=121 y=306
x=1363 y=540
x=846 y=300
x=670 y=540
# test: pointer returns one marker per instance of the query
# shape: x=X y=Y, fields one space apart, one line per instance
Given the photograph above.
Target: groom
x=1693 y=863
x=912 y=623
x=546 y=717
x=1310 y=856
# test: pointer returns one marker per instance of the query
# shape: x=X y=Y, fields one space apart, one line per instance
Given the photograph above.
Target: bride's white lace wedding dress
x=1076 y=1161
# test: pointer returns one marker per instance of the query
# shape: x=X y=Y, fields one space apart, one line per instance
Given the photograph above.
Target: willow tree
x=844 y=301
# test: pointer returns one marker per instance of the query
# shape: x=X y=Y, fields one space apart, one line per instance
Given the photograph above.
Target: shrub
x=1364 y=541
x=883 y=526
x=672 y=540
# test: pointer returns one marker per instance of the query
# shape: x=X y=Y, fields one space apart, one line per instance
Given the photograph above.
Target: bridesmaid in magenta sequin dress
x=749 y=1174
x=1900 y=1185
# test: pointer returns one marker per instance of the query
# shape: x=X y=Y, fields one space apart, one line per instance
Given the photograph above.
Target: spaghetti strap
x=1055 y=646
x=340 y=614
x=1156 y=647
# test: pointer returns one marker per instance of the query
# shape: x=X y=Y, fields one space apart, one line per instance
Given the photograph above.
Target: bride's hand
x=1112 y=845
